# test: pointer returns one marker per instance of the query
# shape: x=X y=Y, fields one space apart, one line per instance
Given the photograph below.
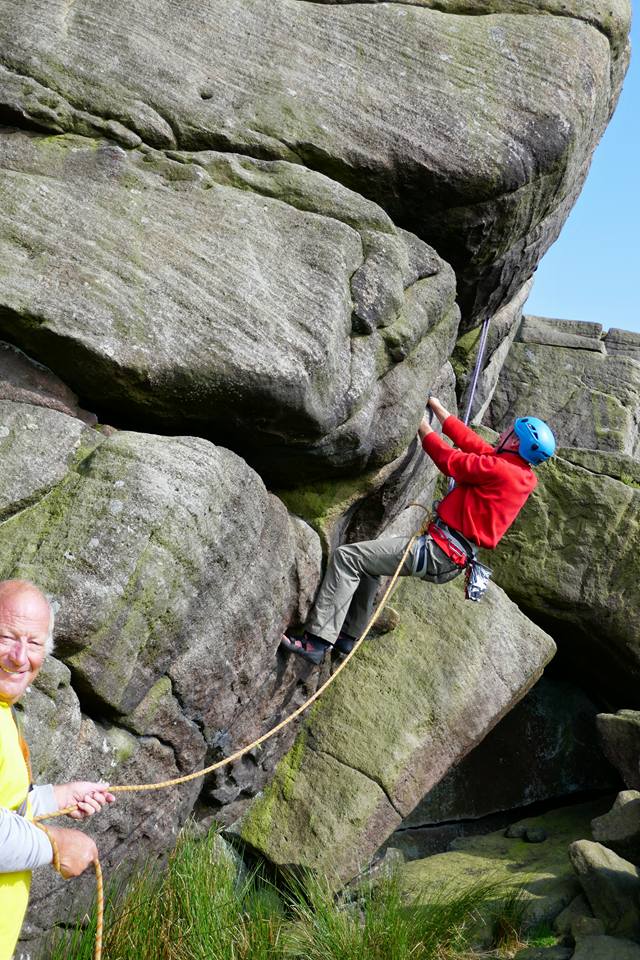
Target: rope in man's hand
x=139 y=787
x=175 y=781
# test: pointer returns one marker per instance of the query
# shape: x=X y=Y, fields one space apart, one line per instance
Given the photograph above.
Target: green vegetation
x=202 y=908
x=542 y=935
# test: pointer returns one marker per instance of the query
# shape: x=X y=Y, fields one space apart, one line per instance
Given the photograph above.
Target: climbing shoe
x=306 y=645
x=345 y=643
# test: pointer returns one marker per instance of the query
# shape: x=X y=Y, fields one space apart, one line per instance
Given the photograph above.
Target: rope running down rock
x=164 y=784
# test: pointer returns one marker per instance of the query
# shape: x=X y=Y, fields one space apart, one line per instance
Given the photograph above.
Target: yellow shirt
x=14 y=785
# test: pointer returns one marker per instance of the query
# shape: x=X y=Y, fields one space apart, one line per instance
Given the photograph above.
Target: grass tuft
x=202 y=908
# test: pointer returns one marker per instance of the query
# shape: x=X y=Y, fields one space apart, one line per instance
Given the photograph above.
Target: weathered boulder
x=542 y=870
x=545 y=748
x=572 y=560
x=174 y=571
x=620 y=739
x=145 y=543
x=257 y=303
x=583 y=927
x=474 y=131
x=619 y=830
x=578 y=909
x=610 y=884
x=626 y=342
x=48 y=443
x=606 y=948
x=409 y=706
x=560 y=370
x=25 y=381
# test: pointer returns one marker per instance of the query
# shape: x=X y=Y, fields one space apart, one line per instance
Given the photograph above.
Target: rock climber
x=491 y=486
x=26 y=638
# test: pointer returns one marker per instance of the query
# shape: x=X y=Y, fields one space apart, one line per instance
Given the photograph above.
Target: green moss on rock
x=391 y=724
x=542 y=870
x=256 y=826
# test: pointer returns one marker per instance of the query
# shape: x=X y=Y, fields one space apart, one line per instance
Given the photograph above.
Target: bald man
x=26 y=638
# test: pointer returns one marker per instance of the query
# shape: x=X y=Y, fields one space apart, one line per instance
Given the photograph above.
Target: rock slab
x=476 y=131
x=543 y=870
x=558 y=566
x=619 y=830
x=408 y=706
x=560 y=370
x=620 y=738
x=606 y=948
x=206 y=292
x=610 y=884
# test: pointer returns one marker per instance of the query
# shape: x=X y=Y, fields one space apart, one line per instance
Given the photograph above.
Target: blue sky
x=592 y=272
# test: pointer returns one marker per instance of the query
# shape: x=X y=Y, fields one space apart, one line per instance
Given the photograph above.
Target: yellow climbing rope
x=139 y=787
x=97 y=950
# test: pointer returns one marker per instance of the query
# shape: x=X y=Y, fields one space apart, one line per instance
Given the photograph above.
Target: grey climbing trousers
x=347 y=594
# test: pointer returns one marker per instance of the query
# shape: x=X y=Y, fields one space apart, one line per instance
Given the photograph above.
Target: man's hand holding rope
x=85 y=796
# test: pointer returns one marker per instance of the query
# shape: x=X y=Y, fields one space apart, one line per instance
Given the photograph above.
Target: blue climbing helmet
x=537 y=442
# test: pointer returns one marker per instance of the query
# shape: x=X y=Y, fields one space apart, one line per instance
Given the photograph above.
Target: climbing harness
x=465 y=554
x=164 y=784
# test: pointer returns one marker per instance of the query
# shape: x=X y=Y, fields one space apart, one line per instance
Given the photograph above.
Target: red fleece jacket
x=491 y=487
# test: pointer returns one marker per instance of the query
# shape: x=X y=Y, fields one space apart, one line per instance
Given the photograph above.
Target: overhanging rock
x=260 y=304
x=474 y=131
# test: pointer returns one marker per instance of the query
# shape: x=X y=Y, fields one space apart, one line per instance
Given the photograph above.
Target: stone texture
x=583 y=927
x=441 y=680
x=544 y=953
x=543 y=870
x=626 y=342
x=475 y=131
x=401 y=504
x=141 y=543
x=577 y=909
x=572 y=561
x=174 y=571
x=298 y=326
x=620 y=739
x=610 y=884
x=559 y=370
x=545 y=748
x=576 y=334
x=392 y=500
x=25 y=381
x=606 y=948
x=619 y=830
x=37 y=446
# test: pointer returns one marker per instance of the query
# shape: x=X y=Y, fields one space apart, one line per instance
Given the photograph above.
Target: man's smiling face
x=25 y=618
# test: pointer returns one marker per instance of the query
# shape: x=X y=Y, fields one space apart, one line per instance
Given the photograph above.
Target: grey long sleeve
x=43 y=800
x=22 y=845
